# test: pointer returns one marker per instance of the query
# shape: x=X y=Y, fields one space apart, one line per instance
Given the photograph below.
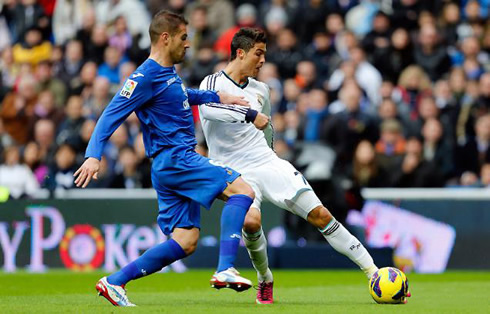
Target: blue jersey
x=162 y=104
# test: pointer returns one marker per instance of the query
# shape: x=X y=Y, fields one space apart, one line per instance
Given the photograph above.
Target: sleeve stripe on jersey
x=227 y=107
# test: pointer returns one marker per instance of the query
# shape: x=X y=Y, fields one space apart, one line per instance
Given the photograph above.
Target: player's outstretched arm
x=199 y=97
x=226 y=98
x=135 y=93
x=87 y=171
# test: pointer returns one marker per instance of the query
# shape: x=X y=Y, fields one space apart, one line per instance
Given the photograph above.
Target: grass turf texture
x=295 y=292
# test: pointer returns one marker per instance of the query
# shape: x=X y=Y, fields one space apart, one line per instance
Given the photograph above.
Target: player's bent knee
x=187 y=239
x=252 y=223
x=239 y=186
x=320 y=217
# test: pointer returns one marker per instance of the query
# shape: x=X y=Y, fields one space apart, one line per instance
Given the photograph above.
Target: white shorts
x=284 y=186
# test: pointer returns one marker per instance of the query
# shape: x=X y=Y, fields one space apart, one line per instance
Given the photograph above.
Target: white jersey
x=240 y=145
x=231 y=140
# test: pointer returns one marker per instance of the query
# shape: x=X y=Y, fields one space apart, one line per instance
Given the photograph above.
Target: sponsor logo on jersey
x=128 y=88
x=135 y=75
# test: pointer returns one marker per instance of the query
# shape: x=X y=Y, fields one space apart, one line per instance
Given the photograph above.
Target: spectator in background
x=84 y=85
x=366 y=172
x=359 y=19
x=128 y=176
x=315 y=114
x=436 y=149
x=84 y=32
x=99 y=97
x=32 y=159
x=324 y=56
x=46 y=108
x=413 y=84
x=414 y=171
x=405 y=13
x=86 y=131
x=203 y=64
x=449 y=22
x=366 y=75
x=69 y=129
x=344 y=130
x=286 y=55
x=476 y=151
x=334 y=25
x=275 y=19
x=72 y=63
x=32 y=48
x=61 y=173
x=8 y=72
x=376 y=43
x=310 y=19
x=44 y=136
x=68 y=18
x=246 y=16
x=133 y=11
x=96 y=46
x=431 y=56
x=46 y=81
x=17 y=177
x=306 y=77
x=199 y=31
x=110 y=68
x=118 y=140
x=121 y=37
x=220 y=13
x=17 y=110
x=125 y=70
x=391 y=145
x=399 y=57
x=24 y=14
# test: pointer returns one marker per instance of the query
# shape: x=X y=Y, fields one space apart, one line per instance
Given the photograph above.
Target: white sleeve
x=222 y=112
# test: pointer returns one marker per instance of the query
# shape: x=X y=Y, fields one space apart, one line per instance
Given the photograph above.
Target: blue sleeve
x=131 y=96
x=199 y=97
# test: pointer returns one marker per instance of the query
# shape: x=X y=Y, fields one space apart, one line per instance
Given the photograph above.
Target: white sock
x=345 y=243
x=256 y=245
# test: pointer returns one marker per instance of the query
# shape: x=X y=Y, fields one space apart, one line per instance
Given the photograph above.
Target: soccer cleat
x=230 y=278
x=114 y=294
x=264 y=293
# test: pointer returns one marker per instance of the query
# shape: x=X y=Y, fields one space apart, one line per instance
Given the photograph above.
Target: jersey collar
x=242 y=86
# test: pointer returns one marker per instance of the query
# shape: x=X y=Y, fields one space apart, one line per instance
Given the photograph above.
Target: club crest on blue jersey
x=128 y=88
x=185 y=104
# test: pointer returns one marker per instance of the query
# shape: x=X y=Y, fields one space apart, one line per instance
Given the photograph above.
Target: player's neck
x=161 y=58
x=234 y=72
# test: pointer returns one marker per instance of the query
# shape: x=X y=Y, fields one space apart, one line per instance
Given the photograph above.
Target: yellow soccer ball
x=389 y=285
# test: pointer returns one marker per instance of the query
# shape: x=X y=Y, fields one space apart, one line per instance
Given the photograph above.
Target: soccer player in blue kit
x=183 y=179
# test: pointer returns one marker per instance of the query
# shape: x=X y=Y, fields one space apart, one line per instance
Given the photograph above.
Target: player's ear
x=165 y=37
x=240 y=53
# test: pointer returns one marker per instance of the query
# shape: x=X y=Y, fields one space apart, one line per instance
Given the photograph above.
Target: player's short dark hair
x=165 y=21
x=245 y=39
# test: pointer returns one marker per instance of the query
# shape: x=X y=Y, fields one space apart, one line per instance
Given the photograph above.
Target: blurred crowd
x=364 y=93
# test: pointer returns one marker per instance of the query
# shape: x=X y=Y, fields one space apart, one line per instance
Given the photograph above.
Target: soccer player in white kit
x=236 y=143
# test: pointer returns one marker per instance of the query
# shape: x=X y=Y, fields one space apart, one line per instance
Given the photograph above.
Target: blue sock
x=231 y=229
x=153 y=260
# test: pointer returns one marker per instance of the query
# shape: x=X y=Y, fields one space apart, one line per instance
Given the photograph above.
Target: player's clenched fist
x=261 y=121
x=87 y=171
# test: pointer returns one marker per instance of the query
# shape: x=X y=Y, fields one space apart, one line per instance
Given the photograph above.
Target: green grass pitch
x=295 y=292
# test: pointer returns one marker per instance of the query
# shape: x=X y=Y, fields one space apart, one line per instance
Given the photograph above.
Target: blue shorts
x=184 y=181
